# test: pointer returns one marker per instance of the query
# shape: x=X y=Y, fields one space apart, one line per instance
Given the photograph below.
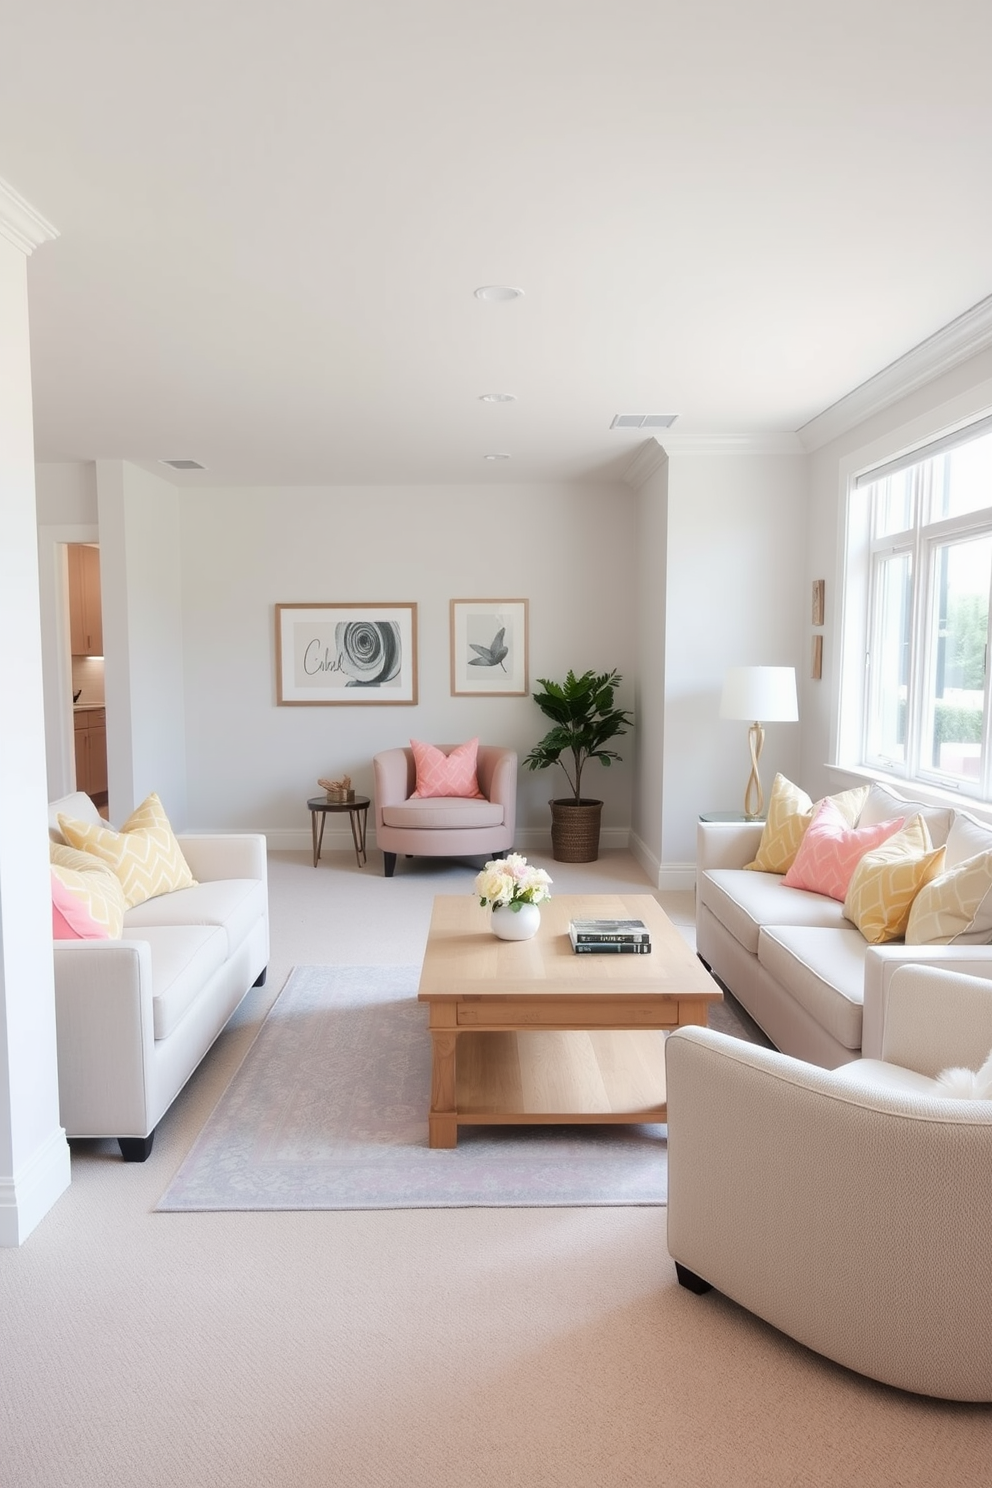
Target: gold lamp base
x=754 y=796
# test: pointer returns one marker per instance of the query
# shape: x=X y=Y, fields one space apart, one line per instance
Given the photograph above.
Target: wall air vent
x=643 y=420
x=183 y=464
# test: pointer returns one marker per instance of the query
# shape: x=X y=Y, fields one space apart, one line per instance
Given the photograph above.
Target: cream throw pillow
x=790 y=811
x=144 y=854
x=888 y=879
x=93 y=883
x=956 y=908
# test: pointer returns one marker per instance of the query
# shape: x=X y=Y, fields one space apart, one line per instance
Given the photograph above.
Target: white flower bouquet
x=507 y=883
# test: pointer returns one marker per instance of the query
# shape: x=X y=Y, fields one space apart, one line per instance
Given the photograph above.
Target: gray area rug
x=329 y=1111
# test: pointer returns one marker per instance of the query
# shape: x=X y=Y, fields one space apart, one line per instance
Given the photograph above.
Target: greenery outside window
x=928 y=523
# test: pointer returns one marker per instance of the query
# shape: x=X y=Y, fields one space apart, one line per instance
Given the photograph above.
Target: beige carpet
x=456 y=1348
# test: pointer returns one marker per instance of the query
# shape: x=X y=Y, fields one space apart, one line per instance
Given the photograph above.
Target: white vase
x=515 y=924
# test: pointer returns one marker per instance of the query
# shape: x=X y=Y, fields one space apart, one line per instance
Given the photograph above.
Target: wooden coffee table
x=527 y=1031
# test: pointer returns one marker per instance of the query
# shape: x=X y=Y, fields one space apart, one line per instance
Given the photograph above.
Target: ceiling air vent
x=183 y=464
x=643 y=420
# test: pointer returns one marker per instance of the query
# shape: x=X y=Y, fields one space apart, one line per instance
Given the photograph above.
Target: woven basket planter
x=575 y=830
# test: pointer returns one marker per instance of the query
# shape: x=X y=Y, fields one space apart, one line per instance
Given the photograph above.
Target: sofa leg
x=691 y=1281
x=135 y=1149
x=389 y=863
x=260 y=979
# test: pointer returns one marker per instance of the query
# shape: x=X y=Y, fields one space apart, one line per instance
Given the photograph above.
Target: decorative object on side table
x=514 y=889
x=337 y=790
x=759 y=692
x=585 y=719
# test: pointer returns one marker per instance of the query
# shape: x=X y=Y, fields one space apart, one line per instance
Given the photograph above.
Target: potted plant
x=585 y=720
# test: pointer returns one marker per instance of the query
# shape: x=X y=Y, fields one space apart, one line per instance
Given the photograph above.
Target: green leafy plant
x=585 y=720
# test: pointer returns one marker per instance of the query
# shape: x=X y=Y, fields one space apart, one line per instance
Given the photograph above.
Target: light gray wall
x=141 y=591
x=721 y=543
x=34 y=1157
x=252 y=764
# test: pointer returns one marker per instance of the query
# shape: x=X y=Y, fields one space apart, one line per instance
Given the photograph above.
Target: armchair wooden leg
x=389 y=863
x=691 y=1281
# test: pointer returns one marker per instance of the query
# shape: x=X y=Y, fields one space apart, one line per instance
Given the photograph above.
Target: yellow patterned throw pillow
x=888 y=879
x=144 y=854
x=956 y=908
x=790 y=811
x=94 y=884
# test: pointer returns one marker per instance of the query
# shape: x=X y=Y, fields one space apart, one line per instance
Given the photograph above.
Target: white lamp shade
x=760 y=694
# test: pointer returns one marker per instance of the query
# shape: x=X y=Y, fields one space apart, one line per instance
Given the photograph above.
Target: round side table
x=358 y=811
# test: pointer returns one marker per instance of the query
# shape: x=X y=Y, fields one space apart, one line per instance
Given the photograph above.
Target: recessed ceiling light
x=497 y=292
x=501 y=456
x=643 y=420
x=183 y=464
x=497 y=397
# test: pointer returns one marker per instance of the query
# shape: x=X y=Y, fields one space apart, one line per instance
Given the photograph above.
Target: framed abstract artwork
x=489 y=647
x=346 y=653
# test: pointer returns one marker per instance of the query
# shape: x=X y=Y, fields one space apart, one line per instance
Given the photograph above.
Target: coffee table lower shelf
x=549 y=1076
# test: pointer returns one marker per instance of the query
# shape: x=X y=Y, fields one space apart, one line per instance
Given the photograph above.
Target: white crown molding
x=646 y=459
x=771 y=443
x=947 y=348
x=20 y=223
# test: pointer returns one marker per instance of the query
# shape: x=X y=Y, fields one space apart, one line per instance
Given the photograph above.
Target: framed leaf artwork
x=489 y=647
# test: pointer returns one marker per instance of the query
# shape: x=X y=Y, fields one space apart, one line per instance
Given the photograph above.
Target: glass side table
x=728 y=816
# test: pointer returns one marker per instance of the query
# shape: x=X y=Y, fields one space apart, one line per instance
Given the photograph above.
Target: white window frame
x=921 y=541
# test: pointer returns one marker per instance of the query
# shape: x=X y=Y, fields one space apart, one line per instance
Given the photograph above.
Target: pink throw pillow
x=71 y=920
x=831 y=850
x=440 y=774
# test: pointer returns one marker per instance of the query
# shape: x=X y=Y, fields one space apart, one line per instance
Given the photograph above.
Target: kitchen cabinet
x=85 y=616
x=90 y=733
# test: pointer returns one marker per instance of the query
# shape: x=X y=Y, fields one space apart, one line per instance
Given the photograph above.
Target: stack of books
x=630 y=937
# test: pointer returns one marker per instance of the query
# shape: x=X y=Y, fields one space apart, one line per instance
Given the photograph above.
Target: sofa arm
x=225 y=855
x=498 y=782
x=105 y=1034
x=933 y=1018
x=727 y=844
x=881 y=964
x=852 y=1219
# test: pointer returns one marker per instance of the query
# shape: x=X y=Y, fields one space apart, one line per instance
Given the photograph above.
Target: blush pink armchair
x=444 y=826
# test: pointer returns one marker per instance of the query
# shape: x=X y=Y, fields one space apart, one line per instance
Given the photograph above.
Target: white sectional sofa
x=135 y=1016
x=805 y=973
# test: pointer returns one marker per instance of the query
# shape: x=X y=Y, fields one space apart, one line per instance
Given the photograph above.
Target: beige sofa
x=850 y=1208
x=805 y=973
x=134 y=1017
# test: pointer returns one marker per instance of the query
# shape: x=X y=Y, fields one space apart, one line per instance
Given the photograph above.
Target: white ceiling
x=273 y=215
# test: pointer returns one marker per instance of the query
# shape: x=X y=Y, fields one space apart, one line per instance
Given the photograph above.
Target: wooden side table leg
x=442 y=1119
x=318 y=837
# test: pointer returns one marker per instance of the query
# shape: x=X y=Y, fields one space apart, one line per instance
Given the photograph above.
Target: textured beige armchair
x=444 y=826
x=851 y=1208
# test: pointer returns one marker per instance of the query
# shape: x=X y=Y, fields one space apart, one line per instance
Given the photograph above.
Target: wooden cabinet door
x=85 y=612
x=82 y=742
x=98 y=754
x=77 y=625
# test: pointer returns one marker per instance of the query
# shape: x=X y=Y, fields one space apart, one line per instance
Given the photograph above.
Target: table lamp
x=759 y=692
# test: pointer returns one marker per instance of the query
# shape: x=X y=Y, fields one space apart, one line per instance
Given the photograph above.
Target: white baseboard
x=27 y=1196
x=338 y=839
x=668 y=876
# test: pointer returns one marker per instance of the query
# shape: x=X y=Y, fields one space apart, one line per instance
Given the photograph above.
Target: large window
x=929 y=564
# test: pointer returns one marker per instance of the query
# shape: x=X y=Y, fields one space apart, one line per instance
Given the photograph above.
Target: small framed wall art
x=346 y=653
x=489 y=647
x=819 y=594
